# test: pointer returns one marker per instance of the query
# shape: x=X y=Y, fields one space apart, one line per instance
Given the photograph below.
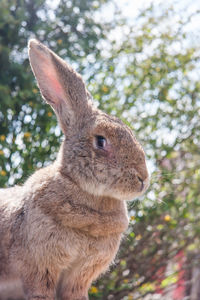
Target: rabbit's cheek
x=110 y=155
x=109 y=150
x=131 y=183
x=105 y=153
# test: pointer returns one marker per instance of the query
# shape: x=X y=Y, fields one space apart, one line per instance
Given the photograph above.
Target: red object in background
x=159 y=276
x=180 y=288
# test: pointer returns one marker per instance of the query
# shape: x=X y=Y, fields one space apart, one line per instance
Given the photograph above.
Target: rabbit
x=62 y=228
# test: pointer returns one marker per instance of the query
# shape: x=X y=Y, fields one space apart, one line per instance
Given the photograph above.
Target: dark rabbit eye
x=100 y=142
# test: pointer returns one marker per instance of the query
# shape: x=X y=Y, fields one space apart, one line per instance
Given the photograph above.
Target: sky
x=131 y=7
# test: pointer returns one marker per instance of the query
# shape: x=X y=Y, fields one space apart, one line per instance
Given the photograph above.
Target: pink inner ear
x=52 y=83
x=56 y=86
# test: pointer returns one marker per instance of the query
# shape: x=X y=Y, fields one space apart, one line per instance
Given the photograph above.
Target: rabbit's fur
x=62 y=228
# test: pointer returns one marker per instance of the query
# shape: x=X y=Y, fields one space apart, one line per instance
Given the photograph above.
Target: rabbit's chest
x=100 y=248
x=94 y=254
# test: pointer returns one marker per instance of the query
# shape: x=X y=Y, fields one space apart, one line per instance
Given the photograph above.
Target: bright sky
x=130 y=7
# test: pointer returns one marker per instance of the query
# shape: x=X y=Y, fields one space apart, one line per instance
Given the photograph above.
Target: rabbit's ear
x=59 y=84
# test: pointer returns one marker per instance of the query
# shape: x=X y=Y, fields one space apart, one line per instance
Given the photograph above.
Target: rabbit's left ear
x=59 y=84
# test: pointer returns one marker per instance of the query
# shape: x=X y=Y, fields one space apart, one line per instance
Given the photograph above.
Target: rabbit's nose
x=142 y=183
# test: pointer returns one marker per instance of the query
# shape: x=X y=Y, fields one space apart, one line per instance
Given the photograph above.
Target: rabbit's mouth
x=130 y=186
x=120 y=183
x=126 y=191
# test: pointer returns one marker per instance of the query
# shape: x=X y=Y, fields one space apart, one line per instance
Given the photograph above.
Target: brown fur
x=62 y=228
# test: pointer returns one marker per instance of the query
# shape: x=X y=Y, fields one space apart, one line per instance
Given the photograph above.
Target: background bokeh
x=142 y=65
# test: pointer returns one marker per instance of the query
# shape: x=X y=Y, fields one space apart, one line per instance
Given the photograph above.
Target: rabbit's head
x=100 y=153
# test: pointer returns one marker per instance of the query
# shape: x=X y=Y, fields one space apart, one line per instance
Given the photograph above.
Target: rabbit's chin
x=102 y=191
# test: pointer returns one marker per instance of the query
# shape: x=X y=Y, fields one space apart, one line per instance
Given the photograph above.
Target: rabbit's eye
x=100 y=142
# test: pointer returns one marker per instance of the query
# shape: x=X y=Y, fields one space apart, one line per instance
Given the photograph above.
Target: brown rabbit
x=62 y=228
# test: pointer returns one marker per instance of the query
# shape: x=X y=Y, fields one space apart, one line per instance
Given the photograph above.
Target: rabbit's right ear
x=59 y=84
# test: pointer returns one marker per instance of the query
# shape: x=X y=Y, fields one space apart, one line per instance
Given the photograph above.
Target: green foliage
x=150 y=79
